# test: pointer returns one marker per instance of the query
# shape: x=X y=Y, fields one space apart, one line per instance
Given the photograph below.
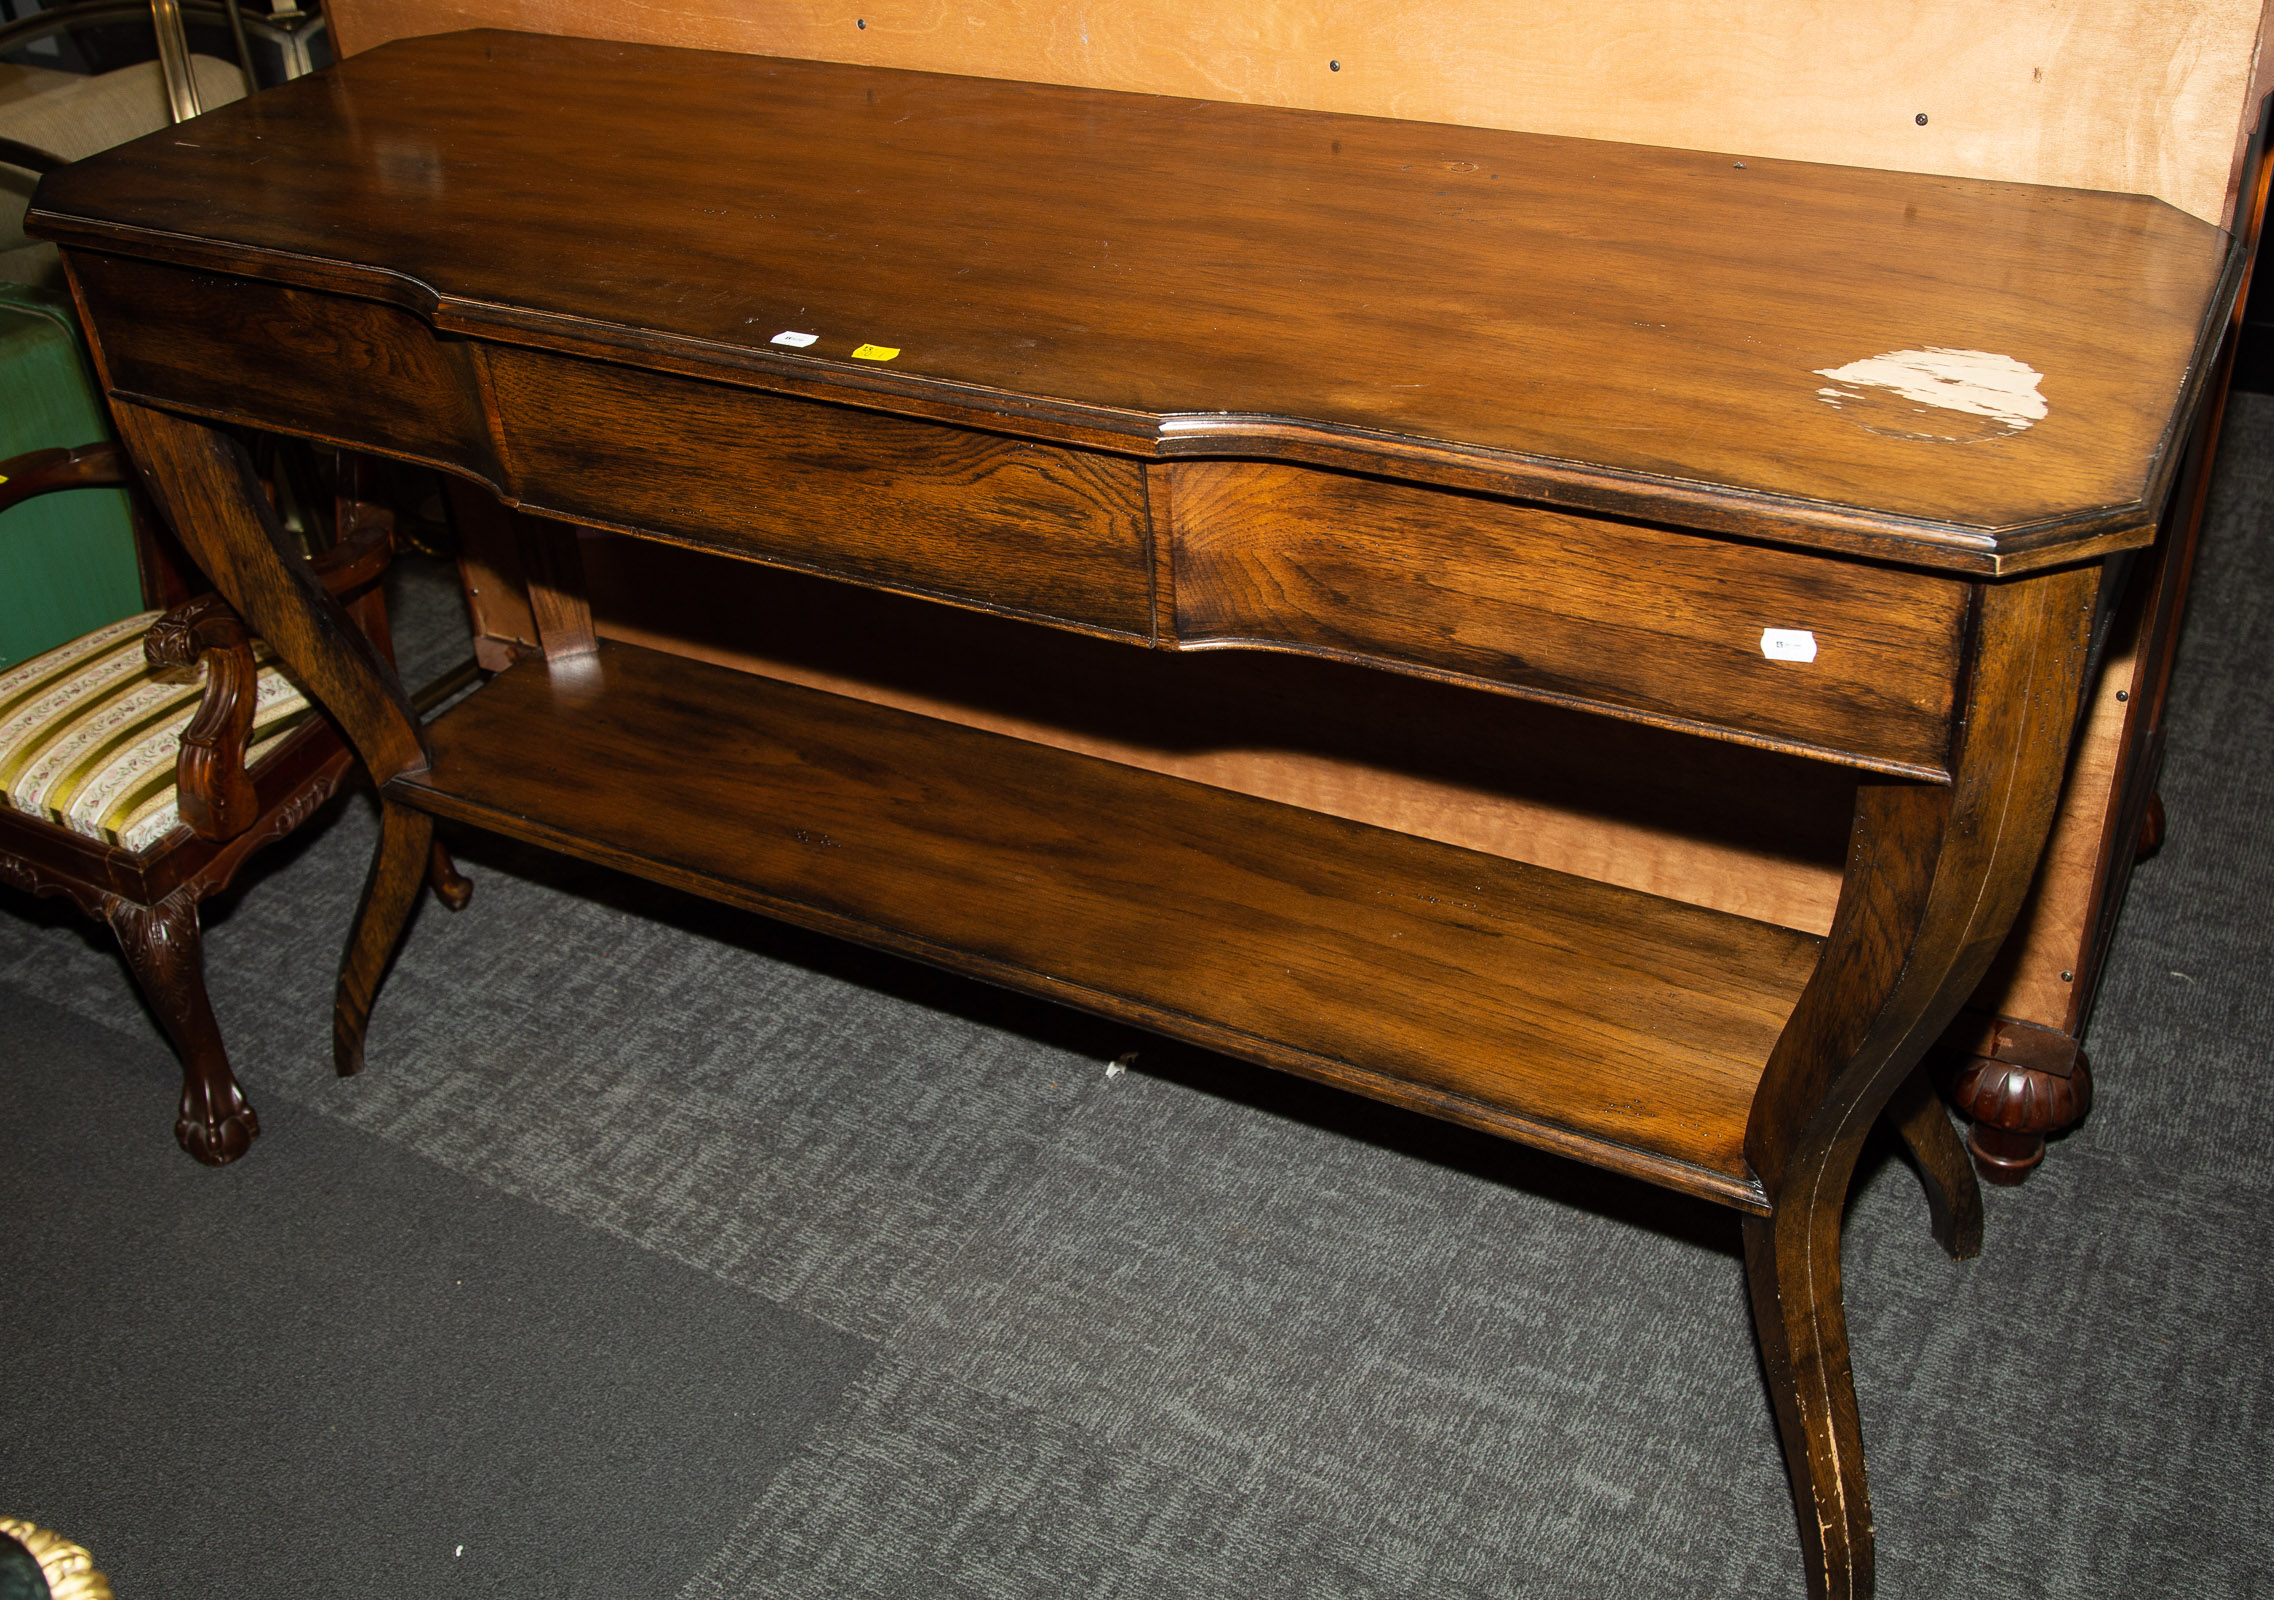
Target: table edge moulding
x=1810 y=460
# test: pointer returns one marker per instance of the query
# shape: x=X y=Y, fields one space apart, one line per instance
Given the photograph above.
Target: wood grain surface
x=1709 y=824
x=1660 y=626
x=1177 y=371
x=346 y=370
x=1563 y=1012
x=2132 y=95
x=1935 y=877
x=1604 y=326
x=1008 y=524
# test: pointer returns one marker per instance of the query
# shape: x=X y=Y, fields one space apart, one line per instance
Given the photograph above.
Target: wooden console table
x=1824 y=466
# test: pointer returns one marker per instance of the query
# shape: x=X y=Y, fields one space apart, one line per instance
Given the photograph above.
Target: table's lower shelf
x=1610 y=1025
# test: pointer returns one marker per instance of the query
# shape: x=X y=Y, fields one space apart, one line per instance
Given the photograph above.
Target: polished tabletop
x=1185 y=276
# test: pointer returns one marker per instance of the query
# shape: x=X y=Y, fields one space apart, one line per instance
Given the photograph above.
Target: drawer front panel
x=1004 y=524
x=354 y=371
x=1664 y=626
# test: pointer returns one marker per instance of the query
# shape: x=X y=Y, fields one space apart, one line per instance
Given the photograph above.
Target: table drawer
x=1662 y=625
x=352 y=371
x=1007 y=524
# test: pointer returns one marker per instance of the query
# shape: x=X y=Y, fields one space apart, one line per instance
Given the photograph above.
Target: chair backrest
x=2139 y=96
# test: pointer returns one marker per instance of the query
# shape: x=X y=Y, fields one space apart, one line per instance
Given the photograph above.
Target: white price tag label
x=796 y=341
x=1788 y=644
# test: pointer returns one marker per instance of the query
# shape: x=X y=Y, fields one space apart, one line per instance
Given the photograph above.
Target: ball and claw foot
x=215 y=1131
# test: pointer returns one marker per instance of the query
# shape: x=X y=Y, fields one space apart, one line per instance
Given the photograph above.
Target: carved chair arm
x=216 y=795
x=91 y=466
x=215 y=792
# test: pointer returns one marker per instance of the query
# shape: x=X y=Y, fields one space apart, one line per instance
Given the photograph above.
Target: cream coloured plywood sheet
x=2136 y=96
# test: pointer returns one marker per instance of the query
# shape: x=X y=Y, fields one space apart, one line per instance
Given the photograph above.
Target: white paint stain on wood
x=1978 y=383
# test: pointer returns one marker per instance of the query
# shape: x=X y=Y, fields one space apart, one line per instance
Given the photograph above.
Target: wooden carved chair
x=143 y=763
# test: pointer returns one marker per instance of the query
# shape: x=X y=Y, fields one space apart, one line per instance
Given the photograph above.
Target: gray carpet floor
x=820 y=1275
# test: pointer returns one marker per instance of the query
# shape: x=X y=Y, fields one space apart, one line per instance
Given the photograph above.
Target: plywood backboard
x=2137 y=96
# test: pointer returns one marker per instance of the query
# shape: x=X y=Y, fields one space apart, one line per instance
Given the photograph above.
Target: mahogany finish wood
x=1655 y=625
x=1536 y=1004
x=2018 y=1084
x=1585 y=323
x=1526 y=417
x=1700 y=821
x=216 y=796
x=38 y=472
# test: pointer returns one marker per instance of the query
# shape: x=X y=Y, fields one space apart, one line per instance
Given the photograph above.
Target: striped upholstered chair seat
x=89 y=733
x=94 y=743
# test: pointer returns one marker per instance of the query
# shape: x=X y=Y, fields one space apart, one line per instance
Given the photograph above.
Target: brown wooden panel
x=1006 y=524
x=1662 y=625
x=1597 y=324
x=2045 y=975
x=1707 y=823
x=351 y=371
x=1627 y=1023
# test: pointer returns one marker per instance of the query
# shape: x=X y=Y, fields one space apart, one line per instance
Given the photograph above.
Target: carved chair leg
x=398 y=871
x=1954 y=1199
x=1792 y=1261
x=166 y=953
x=452 y=887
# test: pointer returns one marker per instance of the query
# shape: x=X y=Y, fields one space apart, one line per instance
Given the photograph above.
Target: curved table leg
x=452 y=887
x=1954 y=1199
x=166 y=952
x=1935 y=877
x=398 y=871
x=203 y=480
x=1792 y=1265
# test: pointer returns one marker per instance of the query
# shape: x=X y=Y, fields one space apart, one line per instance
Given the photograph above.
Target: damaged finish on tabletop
x=1635 y=432
x=1583 y=323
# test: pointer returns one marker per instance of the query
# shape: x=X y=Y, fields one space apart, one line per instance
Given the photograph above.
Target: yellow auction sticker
x=876 y=352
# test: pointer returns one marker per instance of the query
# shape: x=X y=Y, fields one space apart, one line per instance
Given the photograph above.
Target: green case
x=66 y=560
